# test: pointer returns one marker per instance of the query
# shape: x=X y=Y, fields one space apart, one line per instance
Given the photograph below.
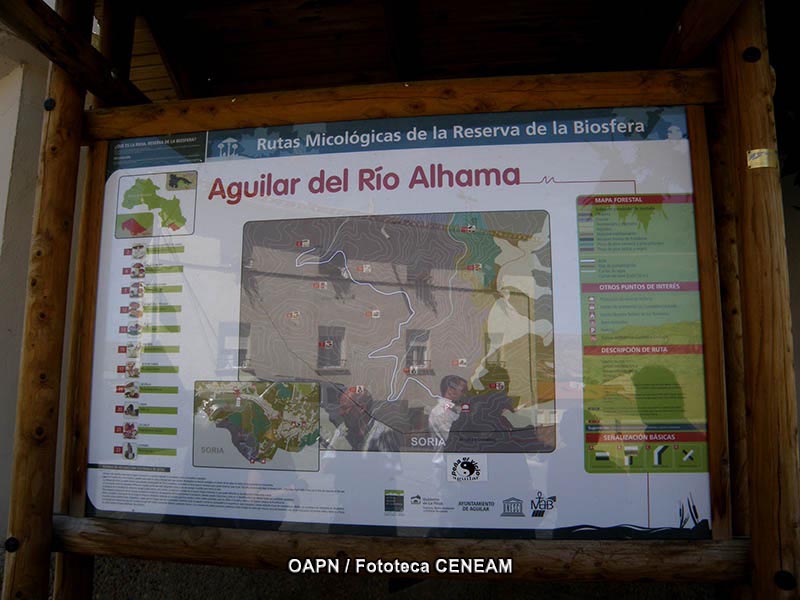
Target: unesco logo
x=466 y=469
x=512 y=507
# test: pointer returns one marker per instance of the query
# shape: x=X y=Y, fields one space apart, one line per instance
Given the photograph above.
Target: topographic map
x=272 y=425
x=425 y=332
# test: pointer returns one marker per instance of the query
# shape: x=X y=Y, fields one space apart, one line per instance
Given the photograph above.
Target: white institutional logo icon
x=228 y=147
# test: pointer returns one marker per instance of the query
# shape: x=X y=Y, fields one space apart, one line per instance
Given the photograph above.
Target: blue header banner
x=486 y=129
x=544 y=127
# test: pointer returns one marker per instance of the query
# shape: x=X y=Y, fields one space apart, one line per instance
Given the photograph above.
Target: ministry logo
x=512 y=507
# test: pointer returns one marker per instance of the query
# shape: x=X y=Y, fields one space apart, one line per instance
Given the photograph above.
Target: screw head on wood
x=751 y=54
x=785 y=580
x=49 y=104
x=11 y=544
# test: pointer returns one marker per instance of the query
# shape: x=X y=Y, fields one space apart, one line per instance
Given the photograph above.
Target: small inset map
x=257 y=425
x=159 y=204
x=135 y=225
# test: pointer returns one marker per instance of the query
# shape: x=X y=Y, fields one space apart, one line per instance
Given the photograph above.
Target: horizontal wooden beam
x=42 y=27
x=675 y=561
x=499 y=94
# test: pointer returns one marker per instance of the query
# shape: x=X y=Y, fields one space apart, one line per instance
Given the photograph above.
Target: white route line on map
x=452 y=306
x=392 y=396
x=346 y=272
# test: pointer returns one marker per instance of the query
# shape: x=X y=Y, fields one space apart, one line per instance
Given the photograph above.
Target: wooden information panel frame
x=358 y=103
x=724 y=558
x=347 y=104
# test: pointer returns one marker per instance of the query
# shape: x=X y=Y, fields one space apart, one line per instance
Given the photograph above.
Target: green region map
x=145 y=192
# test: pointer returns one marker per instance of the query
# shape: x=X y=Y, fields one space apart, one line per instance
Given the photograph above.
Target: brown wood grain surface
x=697 y=28
x=117 y=35
x=768 y=355
x=591 y=560
x=73 y=573
x=34 y=460
x=542 y=92
x=60 y=42
x=724 y=178
x=713 y=357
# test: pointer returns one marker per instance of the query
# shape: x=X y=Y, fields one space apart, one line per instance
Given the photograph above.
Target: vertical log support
x=33 y=473
x=74 y=573
x=116 y=36
x=117 y=29
x=714 y=361
x=769 y=378
x=725 y=188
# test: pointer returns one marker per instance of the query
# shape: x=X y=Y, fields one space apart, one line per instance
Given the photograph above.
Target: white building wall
x=23 y=75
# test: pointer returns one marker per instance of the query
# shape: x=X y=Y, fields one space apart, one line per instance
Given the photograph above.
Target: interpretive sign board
x=483 y=325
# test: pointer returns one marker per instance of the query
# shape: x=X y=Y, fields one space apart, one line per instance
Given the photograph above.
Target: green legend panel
x=644 y=386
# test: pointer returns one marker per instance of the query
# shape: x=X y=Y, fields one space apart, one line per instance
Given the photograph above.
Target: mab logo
x=541 y=504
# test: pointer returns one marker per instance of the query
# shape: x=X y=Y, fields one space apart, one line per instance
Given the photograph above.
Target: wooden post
x=769 y=378
x=74 y=573
x=718 y=454
x=31 y=512
x=116 y=35
x=725 y=193
x=117 y=28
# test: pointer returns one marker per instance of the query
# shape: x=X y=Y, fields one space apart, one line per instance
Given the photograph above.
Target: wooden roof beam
x=116 y=35
x=699 y=25
x=169 y=51
x=41 y=26
x=401 y=28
